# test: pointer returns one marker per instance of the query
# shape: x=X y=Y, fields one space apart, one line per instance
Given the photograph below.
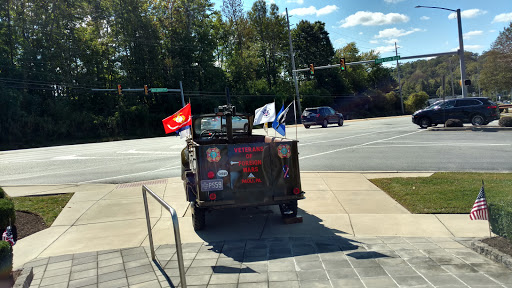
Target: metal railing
x=175 y=225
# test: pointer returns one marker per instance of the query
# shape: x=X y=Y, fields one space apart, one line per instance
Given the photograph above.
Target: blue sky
x=377 y=24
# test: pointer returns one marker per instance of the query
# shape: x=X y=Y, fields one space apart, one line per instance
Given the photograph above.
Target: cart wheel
x=289 y=209
x=198 y=217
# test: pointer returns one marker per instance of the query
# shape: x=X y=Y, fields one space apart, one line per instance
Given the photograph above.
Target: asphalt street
x=388 y=144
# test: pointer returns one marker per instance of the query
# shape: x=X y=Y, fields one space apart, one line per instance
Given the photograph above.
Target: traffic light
x=119 y=89
x=342 y=64
x=311 y=69
x=146 y=89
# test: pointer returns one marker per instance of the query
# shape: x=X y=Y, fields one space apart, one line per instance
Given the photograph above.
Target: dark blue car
x=477 y=111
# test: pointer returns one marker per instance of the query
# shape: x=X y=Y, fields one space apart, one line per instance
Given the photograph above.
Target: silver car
x=218 y=124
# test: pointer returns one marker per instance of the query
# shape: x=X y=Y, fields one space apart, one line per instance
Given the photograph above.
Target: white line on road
x=347 y=137
x=133 y=174
x=436 y=144
x=133 y=151
x=357 y=146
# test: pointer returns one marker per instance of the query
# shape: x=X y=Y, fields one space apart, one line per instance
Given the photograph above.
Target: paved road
x=390 y=144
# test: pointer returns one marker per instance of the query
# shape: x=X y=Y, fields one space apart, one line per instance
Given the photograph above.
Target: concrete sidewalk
x=339 y=207
x=107 y=216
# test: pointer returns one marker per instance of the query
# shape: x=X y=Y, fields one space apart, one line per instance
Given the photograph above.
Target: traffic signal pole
x=294 y=72
x=373 y=61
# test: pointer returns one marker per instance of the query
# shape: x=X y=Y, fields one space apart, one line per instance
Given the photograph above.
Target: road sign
x=156 y=90
x=380 y=60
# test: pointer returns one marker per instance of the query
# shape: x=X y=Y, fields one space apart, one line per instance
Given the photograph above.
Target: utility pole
x=293 y=68
x=399 y=84
x=461 y=58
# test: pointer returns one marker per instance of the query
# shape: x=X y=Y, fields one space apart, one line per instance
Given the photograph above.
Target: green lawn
x=47 y=207
x=452 y=193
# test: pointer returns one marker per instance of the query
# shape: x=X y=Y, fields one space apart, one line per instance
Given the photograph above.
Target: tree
x=496 y=74
x=416 y=101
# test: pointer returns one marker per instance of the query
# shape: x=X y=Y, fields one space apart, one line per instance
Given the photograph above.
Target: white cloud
x=424 y=18
x=394 y=32
x=391 y=41
x=340 y=42
x=471 y=13
x=473 y=47
x=393 y=1
x=374 y=41
x=504 y=17
x=300 y=2
x=384 y=49
x=492 y=31
x=470 y=34
x=367 y=18
x=311 y=10
x=361 y=33
x=470 y=48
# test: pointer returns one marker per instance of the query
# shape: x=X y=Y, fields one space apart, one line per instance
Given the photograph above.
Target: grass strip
x=447 y=192
x=48 y=207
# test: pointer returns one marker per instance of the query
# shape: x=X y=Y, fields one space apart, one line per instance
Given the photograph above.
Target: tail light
x=213 y=196
x=296 y=191
x=317 y=115
x=211 y=175
x=491 y=107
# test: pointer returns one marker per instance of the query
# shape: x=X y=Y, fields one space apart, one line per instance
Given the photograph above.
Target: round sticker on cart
x=222 y=173
x=213 y=154
x=283 y=150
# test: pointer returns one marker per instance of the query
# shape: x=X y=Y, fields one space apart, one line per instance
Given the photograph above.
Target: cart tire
x=291 y=206
x=198 y=217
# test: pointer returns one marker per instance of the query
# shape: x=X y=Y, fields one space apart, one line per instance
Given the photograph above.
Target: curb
x=25 y=278
x=491 y=253
x=470 y=128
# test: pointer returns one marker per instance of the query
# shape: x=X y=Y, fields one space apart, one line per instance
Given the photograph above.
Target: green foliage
x=505 y=121
x=48 y=207
x=500 y=217
x=453 y=123
x=7 y=213
x=416 y=101
x=6 y=259
x=2 y=193
x=452 y=193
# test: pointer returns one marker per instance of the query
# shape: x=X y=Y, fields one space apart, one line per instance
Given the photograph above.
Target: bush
x=453 y=123
x=416 y=101
x=505 y=122
x=500 y=217
x=5 y=259
x=2 y=193
x=6 y=212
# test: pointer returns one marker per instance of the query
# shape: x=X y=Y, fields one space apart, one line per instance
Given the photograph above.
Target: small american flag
x=479 y=211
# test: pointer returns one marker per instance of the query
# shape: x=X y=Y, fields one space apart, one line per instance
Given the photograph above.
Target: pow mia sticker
x=213 y=154
x=283 y=151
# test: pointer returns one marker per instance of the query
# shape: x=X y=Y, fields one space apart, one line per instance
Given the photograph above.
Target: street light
x=461 y=49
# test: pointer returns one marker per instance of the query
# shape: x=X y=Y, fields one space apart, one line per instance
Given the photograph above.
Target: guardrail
x=176 y=226
x=504 y=107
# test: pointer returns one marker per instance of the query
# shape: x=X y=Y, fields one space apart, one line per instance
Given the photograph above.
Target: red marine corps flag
x=179 y=121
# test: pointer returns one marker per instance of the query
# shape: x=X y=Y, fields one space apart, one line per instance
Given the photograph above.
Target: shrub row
x=7 y=213
x=5 y=259
x=500 y=217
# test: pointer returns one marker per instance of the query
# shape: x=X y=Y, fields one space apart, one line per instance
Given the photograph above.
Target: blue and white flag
x=278 y=124
x=265 y=114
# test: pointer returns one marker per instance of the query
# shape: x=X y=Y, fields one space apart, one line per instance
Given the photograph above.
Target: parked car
x=216 y=123
x=321 y=116
x=477 y=111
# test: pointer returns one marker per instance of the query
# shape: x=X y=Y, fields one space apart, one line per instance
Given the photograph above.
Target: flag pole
x=295 y=116
x=488 y=214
